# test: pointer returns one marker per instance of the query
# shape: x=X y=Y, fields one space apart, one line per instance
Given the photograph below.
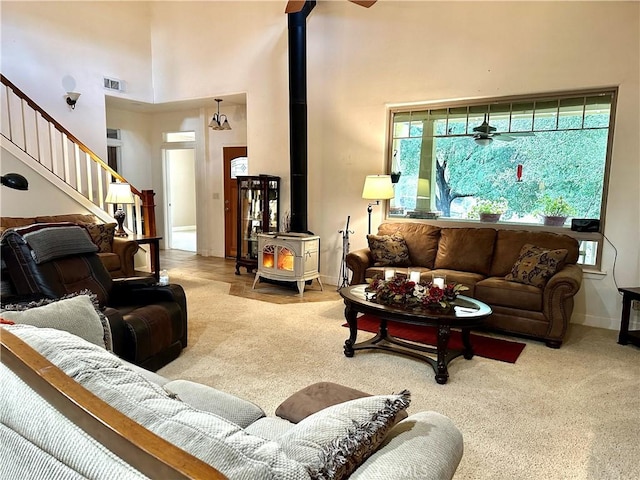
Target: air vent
x=113 y=133
x=113 y=84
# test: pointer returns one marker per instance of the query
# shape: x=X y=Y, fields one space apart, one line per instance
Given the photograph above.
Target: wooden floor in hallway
x=224 y=270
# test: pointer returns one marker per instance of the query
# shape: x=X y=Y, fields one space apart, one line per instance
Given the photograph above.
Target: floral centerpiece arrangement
x=402 y=292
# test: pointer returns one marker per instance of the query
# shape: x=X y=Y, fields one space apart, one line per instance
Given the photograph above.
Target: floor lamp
x=377 y=187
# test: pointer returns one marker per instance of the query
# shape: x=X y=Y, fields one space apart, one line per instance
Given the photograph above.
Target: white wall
x=49 y=48
x=360 y=61
x=135 y=132
x=209 y=167
x=42 y=198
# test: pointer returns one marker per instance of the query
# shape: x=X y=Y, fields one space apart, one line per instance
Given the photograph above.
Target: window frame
x=598 y=237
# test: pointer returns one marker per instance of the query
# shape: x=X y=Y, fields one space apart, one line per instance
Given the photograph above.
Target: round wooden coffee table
x=466 y=314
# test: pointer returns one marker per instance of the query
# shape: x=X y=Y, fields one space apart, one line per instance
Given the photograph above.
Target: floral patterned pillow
x=389 y=250
x=102 y=235
x=536 y=265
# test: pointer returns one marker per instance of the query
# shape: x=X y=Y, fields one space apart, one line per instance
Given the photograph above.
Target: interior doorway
x=235 y=163
x=180 y=198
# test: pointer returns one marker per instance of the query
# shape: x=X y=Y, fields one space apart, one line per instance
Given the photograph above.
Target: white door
x=180 y=198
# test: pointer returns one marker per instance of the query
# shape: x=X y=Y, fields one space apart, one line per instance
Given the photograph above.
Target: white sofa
x=232 y=435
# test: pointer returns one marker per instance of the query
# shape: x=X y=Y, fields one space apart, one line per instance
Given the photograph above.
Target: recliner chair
x=148 y=322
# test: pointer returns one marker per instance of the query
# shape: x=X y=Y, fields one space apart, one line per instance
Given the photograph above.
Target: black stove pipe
x=298 y=115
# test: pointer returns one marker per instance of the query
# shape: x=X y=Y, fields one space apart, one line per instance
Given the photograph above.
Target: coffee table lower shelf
x=384 y=341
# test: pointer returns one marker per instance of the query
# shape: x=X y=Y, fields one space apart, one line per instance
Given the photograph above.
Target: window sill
x=592 y=273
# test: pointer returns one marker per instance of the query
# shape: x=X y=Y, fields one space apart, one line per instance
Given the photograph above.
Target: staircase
x=40 y=142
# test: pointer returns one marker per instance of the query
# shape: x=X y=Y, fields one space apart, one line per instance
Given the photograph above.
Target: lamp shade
x=378 y=187
x=119 y=194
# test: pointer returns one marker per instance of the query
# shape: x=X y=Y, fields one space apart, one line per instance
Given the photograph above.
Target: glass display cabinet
x=258 y=212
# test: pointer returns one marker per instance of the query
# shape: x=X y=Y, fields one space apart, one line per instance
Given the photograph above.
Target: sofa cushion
x=536 y=265
x=496 y=291
x=102 y=235
x=333 y=442
x=466 y=249
x=111 y=261
x=269 y=428
x=389 y=250
x=510 y=242
x=467 y=279
x=236 y=410
x=78 y=218
x=421 y=238
x=213 y=439
x=75 y=313
x=12 y=222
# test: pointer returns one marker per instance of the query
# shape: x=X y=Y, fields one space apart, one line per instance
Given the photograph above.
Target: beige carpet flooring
x=572 y=413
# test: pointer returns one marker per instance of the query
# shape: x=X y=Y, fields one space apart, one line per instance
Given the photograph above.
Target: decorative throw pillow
x=333 y=442
x=315 y=397
x=536 y=265
x=389 y=250
x=76 y=313
x=102 y=235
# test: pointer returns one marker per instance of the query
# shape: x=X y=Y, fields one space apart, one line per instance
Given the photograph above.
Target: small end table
x=628 y=295
x=154 y=242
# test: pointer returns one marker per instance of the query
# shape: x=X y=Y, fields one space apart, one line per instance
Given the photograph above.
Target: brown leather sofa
x=480 y=258
x=119 y=261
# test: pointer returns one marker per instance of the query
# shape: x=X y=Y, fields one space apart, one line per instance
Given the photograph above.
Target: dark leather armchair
x=148 y=322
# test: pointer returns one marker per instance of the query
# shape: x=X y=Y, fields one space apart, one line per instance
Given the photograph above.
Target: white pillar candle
x=414 y=276
x=438 y=282
x=389 y=273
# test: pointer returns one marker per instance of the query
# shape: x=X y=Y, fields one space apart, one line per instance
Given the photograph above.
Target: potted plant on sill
x=555 y=211
x=488 y=210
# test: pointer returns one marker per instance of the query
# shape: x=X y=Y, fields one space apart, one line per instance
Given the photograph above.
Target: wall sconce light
x=15 y=181
x=216 y=122
x=377 y=187
x=72 y=98
x=119 y=194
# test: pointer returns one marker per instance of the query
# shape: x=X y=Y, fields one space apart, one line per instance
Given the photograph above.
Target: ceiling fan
x=294 y=6
x=484 y=134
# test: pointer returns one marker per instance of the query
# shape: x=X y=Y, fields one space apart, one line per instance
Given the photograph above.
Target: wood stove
x=288 y=257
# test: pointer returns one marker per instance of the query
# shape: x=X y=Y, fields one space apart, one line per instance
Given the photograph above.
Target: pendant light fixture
x=219 y=122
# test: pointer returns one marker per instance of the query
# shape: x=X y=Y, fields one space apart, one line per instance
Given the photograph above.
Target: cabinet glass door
x=258 y=198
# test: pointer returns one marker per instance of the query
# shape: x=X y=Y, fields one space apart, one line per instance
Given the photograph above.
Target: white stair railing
x=31 y=130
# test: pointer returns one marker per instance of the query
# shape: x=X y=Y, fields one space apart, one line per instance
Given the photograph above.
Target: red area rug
x=488 y=347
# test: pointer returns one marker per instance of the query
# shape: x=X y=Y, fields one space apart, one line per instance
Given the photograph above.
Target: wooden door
x=231 y=200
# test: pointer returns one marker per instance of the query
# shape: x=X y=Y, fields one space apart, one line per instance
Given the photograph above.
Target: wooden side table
x=154 y=242
x=626 y=336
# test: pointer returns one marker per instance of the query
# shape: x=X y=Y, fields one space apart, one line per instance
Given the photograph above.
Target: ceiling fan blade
x=294 y=6
x=503 y=138
x=521 y=134
x=364 y=3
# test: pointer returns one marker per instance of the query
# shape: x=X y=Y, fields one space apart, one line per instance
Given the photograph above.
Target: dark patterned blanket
x=48 y=241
